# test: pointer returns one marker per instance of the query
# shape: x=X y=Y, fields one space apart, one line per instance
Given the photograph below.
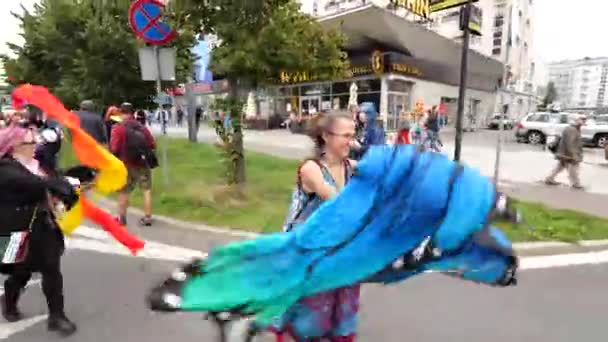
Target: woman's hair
x=323 y=123
x=10 y=137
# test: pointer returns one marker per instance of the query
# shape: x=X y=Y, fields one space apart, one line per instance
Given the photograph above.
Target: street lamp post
x=463 y=79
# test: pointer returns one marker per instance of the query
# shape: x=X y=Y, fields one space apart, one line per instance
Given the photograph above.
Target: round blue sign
x=145 y=18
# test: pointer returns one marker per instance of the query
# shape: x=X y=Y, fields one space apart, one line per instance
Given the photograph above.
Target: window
x=499 y=20
x=497 y=34
x=496 y=51
x=498 y=42
x=538 y=117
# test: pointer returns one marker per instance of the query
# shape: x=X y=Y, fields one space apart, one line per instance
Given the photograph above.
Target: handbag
x=14 y=247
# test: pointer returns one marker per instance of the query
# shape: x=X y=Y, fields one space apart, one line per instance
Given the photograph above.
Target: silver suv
x=534 y=128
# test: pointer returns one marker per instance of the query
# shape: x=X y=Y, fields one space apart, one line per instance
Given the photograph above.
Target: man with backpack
x=134 y=145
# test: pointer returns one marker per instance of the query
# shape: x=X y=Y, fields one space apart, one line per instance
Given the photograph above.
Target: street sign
x=150 y=64
x=145 y=18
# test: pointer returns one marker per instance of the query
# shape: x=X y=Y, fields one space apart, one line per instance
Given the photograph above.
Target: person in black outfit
x=26 y=202
x=92 y=122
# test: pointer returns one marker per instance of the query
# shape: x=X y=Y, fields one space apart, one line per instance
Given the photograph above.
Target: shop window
x=369 y=85
x=399 y=86
x=287 y=91
x=340 y=88
x=315 y=89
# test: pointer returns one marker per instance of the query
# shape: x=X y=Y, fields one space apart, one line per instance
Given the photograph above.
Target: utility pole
x=463 y=79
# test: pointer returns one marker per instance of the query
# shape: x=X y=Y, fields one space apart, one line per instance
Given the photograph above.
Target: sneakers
x=145 y=221
x=122 y=220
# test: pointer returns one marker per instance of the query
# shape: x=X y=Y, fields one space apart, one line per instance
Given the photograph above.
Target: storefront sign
x=418 y=7
x=401 y=68
x=378 y=64
x=440 y=5
x=474 y=20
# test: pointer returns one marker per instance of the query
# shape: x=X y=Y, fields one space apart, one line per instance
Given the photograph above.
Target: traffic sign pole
x=145 y=18
x=159 y=89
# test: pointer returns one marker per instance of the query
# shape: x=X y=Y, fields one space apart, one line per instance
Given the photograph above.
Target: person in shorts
x=131 y=142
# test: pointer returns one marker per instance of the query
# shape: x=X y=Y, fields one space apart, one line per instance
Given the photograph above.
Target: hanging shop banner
x=474 y=20
x=418 y=7
x=440 y=5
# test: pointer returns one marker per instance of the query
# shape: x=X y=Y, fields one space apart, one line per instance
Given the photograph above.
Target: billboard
x=440 y=5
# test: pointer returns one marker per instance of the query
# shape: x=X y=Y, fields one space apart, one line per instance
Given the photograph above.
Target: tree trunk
x=191 y=108
x=236 y=116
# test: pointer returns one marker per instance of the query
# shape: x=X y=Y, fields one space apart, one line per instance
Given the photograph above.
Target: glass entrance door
x=397 y=103
x=310 y=104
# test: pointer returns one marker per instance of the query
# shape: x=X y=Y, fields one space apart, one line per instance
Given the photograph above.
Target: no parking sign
x=145 y=18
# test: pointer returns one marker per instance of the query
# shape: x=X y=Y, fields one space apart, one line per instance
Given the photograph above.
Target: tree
x=550 y=95
x=86 y=49
x=259 y=39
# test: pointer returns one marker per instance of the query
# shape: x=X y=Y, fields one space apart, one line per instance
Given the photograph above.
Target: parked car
x=534 y=128
x=506 y=122
x=595 y=134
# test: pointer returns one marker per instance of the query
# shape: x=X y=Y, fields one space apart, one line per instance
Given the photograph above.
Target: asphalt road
x=105 y=296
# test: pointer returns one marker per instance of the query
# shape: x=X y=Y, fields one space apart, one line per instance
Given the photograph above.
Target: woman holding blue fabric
x=332 y=314
x=402 y=213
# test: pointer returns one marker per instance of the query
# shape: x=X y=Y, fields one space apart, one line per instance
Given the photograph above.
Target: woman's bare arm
x=313 y=181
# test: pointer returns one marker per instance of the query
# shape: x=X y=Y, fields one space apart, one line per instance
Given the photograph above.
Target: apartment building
x=507 y=35
x=580 y=83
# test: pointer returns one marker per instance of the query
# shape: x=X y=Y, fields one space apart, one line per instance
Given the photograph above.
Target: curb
x=521 y=246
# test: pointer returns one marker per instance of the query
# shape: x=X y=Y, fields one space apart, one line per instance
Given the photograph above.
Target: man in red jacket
x=132 y=142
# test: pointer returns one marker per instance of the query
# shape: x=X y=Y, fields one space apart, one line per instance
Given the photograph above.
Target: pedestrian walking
x=569 y=154
x=92 y=122
x=134 y=145
x=26 y=206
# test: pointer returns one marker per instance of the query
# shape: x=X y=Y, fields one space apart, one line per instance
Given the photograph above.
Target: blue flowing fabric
x=398 y=198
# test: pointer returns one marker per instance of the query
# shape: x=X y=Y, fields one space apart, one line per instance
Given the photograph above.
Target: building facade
x=507 y=35
x=580 y=83
x=507 y=32
x=417 y=66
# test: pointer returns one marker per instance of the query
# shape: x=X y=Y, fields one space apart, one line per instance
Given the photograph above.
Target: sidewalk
x=560 y=197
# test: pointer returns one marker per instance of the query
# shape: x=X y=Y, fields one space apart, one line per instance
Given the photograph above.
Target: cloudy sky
x=564 y=28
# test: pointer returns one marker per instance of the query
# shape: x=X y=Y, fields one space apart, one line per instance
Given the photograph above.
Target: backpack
x=137 y=147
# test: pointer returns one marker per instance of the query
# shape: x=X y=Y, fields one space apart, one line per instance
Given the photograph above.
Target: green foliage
x=259 y=39
x=86 y=50
x=550 y=95
x=229 y=151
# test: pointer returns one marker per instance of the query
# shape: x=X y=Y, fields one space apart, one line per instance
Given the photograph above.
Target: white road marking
x=100 y=241
x=9 y=329
x=563 y=260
